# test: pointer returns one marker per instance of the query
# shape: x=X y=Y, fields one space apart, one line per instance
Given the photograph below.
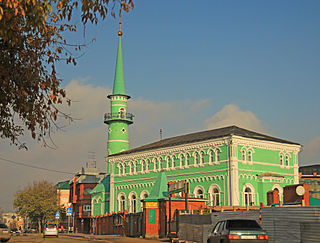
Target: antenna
x=92 y=157
x=160 y=133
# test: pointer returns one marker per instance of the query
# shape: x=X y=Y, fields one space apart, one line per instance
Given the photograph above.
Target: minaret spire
x=118 y=119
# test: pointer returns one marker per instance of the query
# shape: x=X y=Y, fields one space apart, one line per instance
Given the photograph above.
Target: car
x=4 y=233
x=237 y=231
x=50 y=229
x=15 y=231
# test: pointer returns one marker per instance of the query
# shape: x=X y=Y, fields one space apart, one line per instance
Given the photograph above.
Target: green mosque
x=225 y=166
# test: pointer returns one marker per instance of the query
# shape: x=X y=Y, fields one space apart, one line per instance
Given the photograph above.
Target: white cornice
x=264 y=144
x=183 y=148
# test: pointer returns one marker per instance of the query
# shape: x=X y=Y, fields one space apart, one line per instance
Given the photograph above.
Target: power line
x=33 y=166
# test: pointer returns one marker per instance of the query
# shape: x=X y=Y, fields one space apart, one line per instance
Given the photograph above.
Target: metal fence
x=292 y=224
x=283 y=224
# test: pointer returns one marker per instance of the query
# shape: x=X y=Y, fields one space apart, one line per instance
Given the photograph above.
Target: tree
x=31 y=43
x=37 y=202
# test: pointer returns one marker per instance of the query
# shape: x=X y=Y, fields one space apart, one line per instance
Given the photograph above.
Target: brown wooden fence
x=119 y=224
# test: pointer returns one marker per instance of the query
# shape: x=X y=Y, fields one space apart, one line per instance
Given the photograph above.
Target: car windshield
x=243 y=224
x=3 y=226
x=51 y=226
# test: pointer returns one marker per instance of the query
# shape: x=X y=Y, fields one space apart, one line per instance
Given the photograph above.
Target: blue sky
x=260 y=55
x=189 y=66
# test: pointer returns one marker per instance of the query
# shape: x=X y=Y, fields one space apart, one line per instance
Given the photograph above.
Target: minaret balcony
x=118 y=116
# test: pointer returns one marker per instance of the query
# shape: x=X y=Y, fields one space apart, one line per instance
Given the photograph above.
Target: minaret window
x=281 y=159
x=110 y=130
x=122 y=112
x=123 y=130
x=287 y=160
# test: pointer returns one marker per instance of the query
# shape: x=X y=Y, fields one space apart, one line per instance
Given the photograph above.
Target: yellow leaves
x=1 y=13
x=60 y=5
x=43 y=86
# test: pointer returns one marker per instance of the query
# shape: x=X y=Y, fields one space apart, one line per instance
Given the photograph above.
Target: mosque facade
x=226 y=166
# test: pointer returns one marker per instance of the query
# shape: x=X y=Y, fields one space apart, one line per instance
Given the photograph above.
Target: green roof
x=118 y=85
x=159 y=189
x=103 y=186
x=63 y=185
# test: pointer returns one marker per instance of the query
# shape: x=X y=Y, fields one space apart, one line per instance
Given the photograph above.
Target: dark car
x=4 y=233
x=237 y=231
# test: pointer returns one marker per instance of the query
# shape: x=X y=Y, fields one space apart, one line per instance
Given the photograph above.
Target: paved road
x=38 y=239
x=35 y=238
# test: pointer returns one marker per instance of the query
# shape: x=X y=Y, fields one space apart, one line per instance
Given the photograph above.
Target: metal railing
x=118 y=115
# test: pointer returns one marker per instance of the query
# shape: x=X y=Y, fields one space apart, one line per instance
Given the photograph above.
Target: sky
x=189 y=66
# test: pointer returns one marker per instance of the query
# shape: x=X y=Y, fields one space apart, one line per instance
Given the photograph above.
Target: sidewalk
x=114 y=238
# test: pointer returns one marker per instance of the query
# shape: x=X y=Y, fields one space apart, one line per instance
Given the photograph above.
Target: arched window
x=198 y=192
x=173 y=162
x=122 y=202
x=147 y=165
x=160 y=164
x=187 y=159
x=135 y=167
x=124 y=169
x=155 y=165
x=196 y=158
x=202 y=158
x=168 y=162
x=182 y=160
x=248 y=197
x=217 y=155
x=281 y=159
x=214 y=192
x=287 y=160
x=131 y=167
x=250 y=156
x=122 y=112
x=243 y=155
x=120 y=169
x=143 y=166
x=133 y=203
x=215 y=197
x=211 y=157
x=144 y=194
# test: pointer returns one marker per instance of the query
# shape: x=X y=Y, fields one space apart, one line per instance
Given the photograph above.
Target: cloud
x=311 y=151
x=89 y=135
x=232 y=115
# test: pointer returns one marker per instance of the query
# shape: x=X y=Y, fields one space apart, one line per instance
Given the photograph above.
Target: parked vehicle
x=15 y=231
x=236 y=231
x=50 y=229
x=4 y=233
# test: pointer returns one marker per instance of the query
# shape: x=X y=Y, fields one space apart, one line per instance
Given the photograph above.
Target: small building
x=63 y=192
x=310 y=174
x=80 y=187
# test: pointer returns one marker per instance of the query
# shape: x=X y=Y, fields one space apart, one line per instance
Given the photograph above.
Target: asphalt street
x=36 y=238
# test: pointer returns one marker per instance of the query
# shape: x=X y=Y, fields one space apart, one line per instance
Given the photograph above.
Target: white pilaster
x=111 y=188
x=234 y=174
